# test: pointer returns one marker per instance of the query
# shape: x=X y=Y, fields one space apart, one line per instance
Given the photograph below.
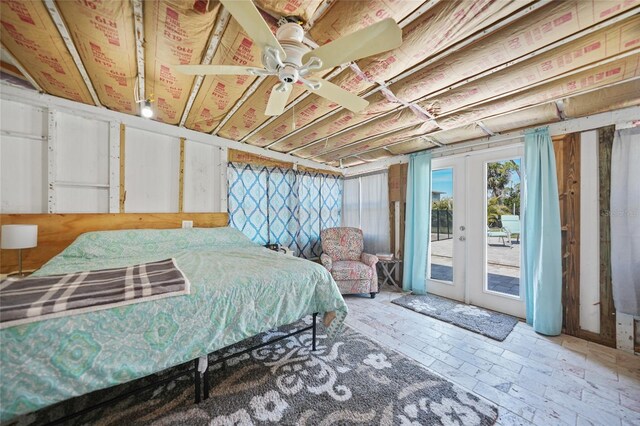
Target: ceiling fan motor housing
x=290 y=36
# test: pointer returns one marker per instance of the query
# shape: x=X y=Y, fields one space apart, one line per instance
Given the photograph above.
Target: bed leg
x=196 y=381
x=206 y=383
x=313 y=333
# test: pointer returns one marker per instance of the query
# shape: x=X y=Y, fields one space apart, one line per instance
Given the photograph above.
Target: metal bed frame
x=200 y=380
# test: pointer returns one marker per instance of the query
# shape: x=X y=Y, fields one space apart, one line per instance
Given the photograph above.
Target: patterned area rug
x=488 y=323
x=347 y=381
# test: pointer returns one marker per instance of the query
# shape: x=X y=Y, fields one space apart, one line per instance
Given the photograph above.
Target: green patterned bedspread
x=238 y=289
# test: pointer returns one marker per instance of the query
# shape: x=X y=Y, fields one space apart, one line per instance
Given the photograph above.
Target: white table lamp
x=19 y=237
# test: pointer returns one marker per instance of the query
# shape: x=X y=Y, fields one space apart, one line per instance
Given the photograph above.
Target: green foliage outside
x=502 y=192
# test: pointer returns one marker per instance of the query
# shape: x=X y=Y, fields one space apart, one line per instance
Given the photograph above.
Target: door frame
x=464 y=288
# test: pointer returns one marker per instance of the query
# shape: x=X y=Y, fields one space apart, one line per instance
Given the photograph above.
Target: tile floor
x=533 y=379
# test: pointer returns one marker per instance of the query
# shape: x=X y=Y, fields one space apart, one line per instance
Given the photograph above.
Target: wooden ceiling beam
x=138 y=22
x=214 y=41
x=486 y=73
x=446 y=52
x=403 y=23
x=66 y=37
x=431 y=137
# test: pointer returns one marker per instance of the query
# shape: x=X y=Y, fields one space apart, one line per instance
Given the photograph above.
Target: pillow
x=137 y=242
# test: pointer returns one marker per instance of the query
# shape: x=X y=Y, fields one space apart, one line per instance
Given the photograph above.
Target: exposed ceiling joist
x=367 y=139
x=484 y=128
x=406 y=21
x=258 y=81
x=324 y=6
x=138 y=21
x=542 y=83
x=214 y=41
x=292 y=104
x=446 y=52
x=22 y=69
x=64 y=33
x=250 y=91
x=488 y=72
x=432 y=140
x=432 y=137
x=560 y=110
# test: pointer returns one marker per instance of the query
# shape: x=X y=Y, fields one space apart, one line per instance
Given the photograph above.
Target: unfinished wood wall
x=567 y=150
x=397 y=206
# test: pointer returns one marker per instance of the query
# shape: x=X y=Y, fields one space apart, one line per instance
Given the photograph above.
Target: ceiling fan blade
x=340 y=96
x=249 y=18
x=377 y=38
x=218 y=70
x=278 y=99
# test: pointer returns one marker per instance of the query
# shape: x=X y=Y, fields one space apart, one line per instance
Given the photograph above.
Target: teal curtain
x=542 y=260
x=417 y=223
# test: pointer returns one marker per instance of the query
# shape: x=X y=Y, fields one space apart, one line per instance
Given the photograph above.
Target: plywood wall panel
x=103 y=34
x=176 y=32
x=30 y=35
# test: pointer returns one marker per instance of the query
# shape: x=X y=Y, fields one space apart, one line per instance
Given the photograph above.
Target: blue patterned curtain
x=308 y=238
x=283 y=206
x=279 y=205
x=247 y=204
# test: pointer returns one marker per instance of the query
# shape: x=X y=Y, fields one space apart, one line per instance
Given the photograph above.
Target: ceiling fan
x=285 y=56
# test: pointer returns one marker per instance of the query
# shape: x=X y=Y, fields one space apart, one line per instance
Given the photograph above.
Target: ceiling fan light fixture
x=146 y=111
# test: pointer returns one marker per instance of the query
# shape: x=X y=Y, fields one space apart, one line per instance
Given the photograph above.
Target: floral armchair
x=342 y=255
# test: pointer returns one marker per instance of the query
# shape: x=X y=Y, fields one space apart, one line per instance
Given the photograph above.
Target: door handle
x=462 y=228
x=462 y=238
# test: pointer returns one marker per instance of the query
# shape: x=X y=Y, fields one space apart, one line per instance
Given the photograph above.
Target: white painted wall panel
x=152 y=164
x=23 y=175
x=82 y=150
x=589 y=233
x=22 y=118
x=202 y=177
x=71 y=199
x=22 y=158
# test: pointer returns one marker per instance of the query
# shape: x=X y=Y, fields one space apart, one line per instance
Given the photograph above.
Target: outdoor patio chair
x=500 y=233
x=512 y=224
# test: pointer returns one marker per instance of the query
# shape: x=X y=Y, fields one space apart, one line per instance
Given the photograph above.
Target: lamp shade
x=19 y=236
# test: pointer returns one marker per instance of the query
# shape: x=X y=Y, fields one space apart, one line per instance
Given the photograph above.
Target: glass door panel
x=503 y=226
x=493 y=237
x=442 y=225
x=446 y=262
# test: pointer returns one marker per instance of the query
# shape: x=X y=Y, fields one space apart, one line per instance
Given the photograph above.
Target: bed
x=238 y=289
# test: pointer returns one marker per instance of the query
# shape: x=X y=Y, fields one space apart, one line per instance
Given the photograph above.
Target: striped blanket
x=34 y=299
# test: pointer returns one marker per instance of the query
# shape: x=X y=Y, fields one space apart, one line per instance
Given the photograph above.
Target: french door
x=475 y=253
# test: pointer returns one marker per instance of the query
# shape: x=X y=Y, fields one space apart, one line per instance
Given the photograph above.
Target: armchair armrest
x=326 y=261
x=369 y=259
